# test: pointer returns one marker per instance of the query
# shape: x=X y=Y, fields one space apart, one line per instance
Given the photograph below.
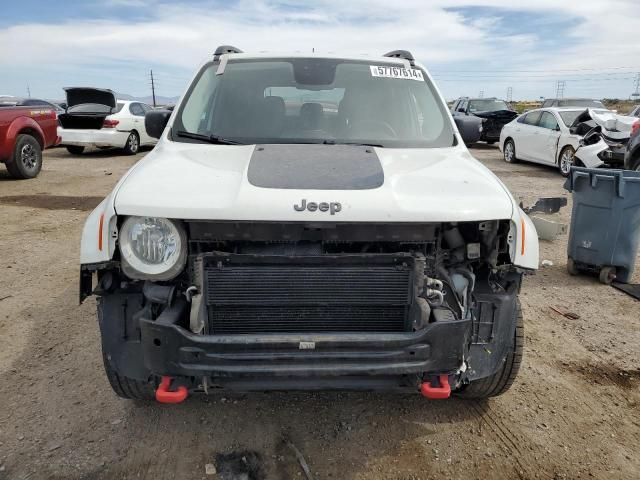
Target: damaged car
x=493 y=112
x=308 y=222
x=562 y=137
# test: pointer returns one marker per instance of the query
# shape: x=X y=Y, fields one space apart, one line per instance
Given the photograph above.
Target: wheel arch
x=29 y=130
x=562 y=149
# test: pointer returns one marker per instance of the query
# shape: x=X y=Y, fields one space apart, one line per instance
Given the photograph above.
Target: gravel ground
x=573 y=412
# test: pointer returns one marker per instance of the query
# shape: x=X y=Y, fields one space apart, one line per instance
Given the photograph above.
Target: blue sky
x=468 y=45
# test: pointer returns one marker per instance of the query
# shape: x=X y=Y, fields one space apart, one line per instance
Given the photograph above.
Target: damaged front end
x=260 y=306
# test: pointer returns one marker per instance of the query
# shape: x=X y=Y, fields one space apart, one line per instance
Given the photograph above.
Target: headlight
x=152 y=248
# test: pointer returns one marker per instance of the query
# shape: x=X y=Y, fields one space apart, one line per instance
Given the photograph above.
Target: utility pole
x=153 y=89
x=481 y=94
x=636 y=84
x=560 y=84
x=509 y=94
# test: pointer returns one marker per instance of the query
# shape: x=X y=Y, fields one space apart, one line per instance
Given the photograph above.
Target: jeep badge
x=332 y=208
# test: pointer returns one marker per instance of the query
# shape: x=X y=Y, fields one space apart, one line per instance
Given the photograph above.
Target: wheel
x=607 y=275
x=571 y=267
x=133 y=144
x=501 y=381
x=126 y=387
x=26 y=160
x=75 y=149
x=567 y=158
x=509 y=151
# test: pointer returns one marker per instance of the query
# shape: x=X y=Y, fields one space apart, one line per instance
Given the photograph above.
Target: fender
x=16 y=126
x=524 y=243
x=98 y=242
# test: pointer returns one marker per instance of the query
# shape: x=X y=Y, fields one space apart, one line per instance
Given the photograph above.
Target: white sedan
x=542 y=136
x=94 y=118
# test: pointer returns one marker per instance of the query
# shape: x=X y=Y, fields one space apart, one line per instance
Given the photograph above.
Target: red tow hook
x=164 y=395
x=436 y=393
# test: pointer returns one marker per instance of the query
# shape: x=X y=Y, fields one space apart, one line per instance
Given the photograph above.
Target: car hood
x=195 y=181
x=504 y=115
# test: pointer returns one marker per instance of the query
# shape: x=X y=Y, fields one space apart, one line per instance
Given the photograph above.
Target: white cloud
x=179 y=36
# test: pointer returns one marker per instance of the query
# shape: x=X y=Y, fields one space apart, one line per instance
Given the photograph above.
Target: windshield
x=569 y=117
x=580 y=102
x=314 y=101
x=488 y=105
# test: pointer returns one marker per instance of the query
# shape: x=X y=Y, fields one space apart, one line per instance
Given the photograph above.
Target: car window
x=581 y=102
x=454 y=107
x=136 y=109
x=463 y=105
x=487 y=105
x=547 y=120
x=119 y=107
x=569 y=116
x=310 y=100
x=146 y=107
x=532 y=118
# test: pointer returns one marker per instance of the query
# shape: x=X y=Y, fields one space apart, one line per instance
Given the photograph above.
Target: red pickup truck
x=24 y=133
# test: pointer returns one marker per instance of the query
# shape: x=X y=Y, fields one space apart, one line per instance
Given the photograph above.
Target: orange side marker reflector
x=522 y=245
x=100 y=228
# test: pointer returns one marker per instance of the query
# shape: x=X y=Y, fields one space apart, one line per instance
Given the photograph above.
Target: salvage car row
x=90 y=118
x=562 y=133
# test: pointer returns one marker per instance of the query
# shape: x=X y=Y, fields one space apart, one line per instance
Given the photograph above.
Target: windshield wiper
x=364 y=144
x=207 y=138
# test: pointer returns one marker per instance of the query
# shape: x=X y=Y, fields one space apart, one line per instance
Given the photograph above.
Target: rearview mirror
x=155 y=122
x=461 y=110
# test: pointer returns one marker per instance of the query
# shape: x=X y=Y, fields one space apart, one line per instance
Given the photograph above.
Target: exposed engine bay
x=604 y=137
x=262 y=279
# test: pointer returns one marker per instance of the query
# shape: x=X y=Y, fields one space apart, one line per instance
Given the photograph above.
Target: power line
x=546 y=70
x=545 y=80
x=560 y=84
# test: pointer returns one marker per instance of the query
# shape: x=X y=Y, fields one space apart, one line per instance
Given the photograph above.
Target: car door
x=545 y=139
x=143 y=130
x=524 y=135
x=137 y=115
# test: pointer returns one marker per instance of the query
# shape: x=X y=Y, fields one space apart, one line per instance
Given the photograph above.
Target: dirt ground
x=574 y=411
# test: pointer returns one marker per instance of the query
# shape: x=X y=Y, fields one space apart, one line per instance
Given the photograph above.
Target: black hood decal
x=315 y=167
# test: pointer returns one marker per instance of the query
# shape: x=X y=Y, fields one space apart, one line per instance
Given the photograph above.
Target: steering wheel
x=377 y=124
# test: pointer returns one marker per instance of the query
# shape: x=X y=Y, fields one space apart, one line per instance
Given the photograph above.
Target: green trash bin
x=605 y=222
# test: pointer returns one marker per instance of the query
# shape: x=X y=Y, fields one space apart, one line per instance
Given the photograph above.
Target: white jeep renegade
x=308 y=222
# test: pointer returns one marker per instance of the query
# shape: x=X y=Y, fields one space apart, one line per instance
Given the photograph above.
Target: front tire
x=567 y=160
x=501 y=381
x=133 y=144
x=26 y=160
x=75 y=149
x=509 y=151
x=125 y=387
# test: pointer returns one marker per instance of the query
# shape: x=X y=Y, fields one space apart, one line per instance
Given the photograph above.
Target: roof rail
x=222 y=49
x=406 y=54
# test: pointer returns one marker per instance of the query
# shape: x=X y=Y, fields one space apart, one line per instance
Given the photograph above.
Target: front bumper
x=108 y=137
x=171 y=350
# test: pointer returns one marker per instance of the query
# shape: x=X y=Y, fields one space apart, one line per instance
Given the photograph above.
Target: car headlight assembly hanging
x=152 y=248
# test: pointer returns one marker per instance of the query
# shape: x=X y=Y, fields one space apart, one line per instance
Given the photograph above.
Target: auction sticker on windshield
x=396 y=72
